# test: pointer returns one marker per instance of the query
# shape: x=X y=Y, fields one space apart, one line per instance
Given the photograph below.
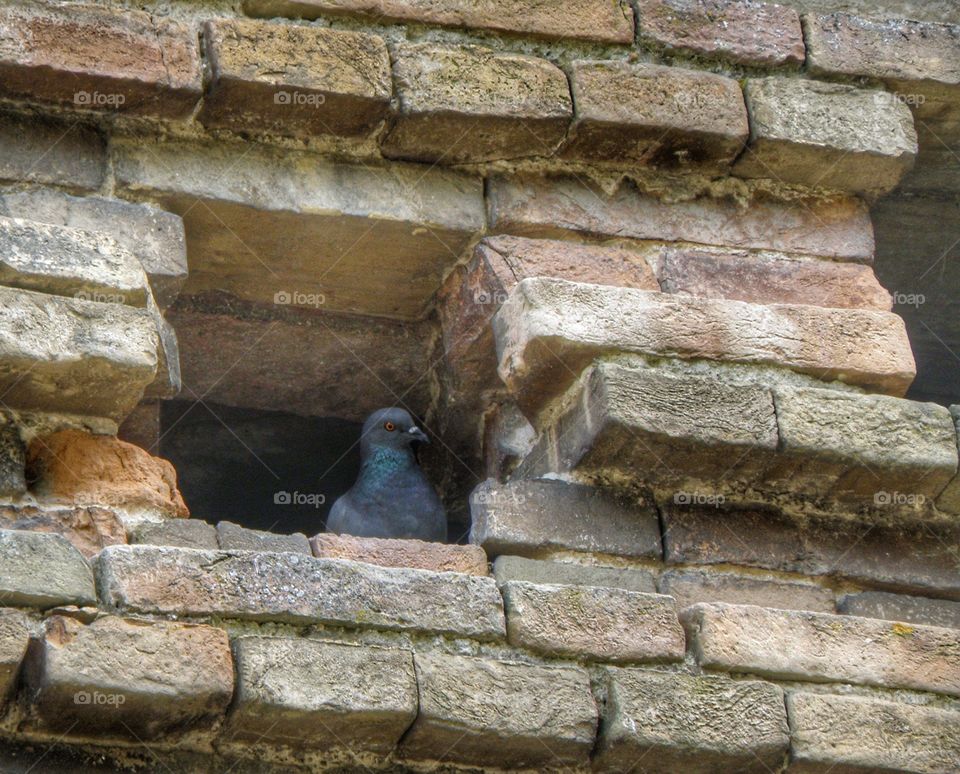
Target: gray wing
x=342 y=516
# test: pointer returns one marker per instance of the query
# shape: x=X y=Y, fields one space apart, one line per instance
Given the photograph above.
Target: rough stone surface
x=14 y=637
x=855 y=733
x=593 y=622
x=498 y=713
x=38 y=570
x=289 y=229
x=292 y=588
x=71 y=466
x=529 y=518
x=690 y=587
x=292 y=79
x=549 y=330
x=518 y=568
x=661 y=116
x=181 y=533
x=168 y=382
x=595 y=20
x=899 y=607
x=817 y=647
x=949 y=500
x=414 y=554
x=740 y=31
x=96 y=58
x=156 y=237
x=310 y=694
x=834 y=227
x=827 y=134
x=74 y=356
x=13 y=459
x=89 y=529
x=130 y=679
x=471 y=104
x=233 y=537
x=671 y=722
x=51 y=151
x=871 y=448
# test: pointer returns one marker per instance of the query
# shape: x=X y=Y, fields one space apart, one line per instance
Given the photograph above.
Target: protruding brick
x=96 y=58
x=690 y=587
x=182 y=533
x=14 y=638
x=233 y=537
x=900 y=607
x=38 y=150
x=827 y=134
x=89 y=529
x=661 y=116
x=817 y=647
x=594 y=20
x=292 y=588
x=139 y=680
x=518 y=568
x=671 y=722
x=858 y=734
x=498 y=713
x=593 y=622
x=308 y=694
x=532 y=517
x=40 y=570
x=472 y=104
x=744 y=32
x=414 y=554
x=291 y=79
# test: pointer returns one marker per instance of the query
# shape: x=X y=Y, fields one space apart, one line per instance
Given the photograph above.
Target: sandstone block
x=661 y=116
x=690 y=587
x=676 y=722
x=949 y=500
x=88 y=529
x=74 y=356
x=857 y=733
x=13 y=459
x=39 y=150
x=96 y=58
x=498 y=713
x=361 y=239
x=71 y=466
x=180 y=533
x=294 y=80
x=139 y=679
x=593 y=622
x=472 y=104
x=899 y=607
x=817 y=647
x=310 y=694
x=38 y=570
x=292 y=588
x=14 y=638
x=414 y=554
x=834 y=227
x=740 y=31
x=517 y=568
x=233 y=537
x=593 y=20
x=827 y=134
x=532 y=517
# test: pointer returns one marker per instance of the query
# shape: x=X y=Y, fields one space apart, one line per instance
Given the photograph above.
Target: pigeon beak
x=417 y=434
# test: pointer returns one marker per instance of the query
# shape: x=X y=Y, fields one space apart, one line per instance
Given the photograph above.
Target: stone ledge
x=518 y=568
x=412 y=554
x=900 y=607
x=690 y=587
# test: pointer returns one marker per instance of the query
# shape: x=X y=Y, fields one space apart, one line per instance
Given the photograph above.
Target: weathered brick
x=14 y=638
x=498 y=713
x=139 y=680
x=899 y=607
x=167 y=383
x=518 y=568
x=593 y=622
x=323 y=229
x=549 y=330
x=818 y=647
x=89 y=529
x=597 y=20
x=156 y=237
x=826 y=134
x=849 y=734
x=741 y=31
x=414 y=554
x=51 y=151
x=472 y=104
x=181 y=533
x=661 y=116
x=294 y=80
x=910 y=557
x=834 y=227
x=233 y=537
x=97 y=58
x=13 y=458
x=532 y=517
x=293 y=588
x=310 y=694
x=40 y=570
x=690 y=587
x=870 y=448
x=669 y=722
x=949 y=500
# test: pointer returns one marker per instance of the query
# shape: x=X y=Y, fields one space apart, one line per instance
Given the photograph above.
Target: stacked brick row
x=513 y=682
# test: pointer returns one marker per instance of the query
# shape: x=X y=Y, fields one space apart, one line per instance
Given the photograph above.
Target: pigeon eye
x=389 y=427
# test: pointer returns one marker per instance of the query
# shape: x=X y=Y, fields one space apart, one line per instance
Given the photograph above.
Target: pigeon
x=391 y=497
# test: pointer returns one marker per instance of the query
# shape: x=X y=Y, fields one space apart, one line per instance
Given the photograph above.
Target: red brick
x=415 y=554
x=96 y=58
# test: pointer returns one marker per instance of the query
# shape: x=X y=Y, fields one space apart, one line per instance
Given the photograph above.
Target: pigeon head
x=391 y=428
